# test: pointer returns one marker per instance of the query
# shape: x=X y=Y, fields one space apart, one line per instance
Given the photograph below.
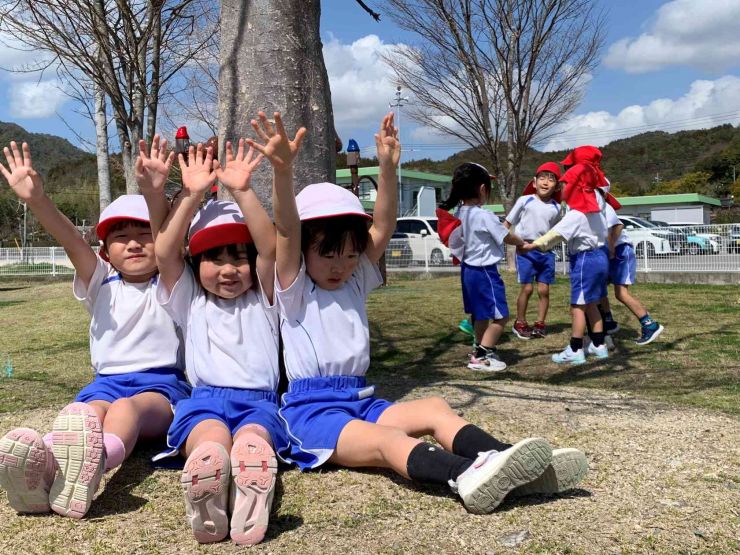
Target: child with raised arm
x=326 y=266
x=222 y=299
x=134 y=346
x=478 y=242
x=533 y=214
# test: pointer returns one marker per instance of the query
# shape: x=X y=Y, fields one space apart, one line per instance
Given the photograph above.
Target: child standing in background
x=134 y=346
x=533 y=215
x=478 y=242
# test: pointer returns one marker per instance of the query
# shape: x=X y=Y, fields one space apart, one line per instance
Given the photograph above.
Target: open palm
x=153 y=168
x=387 y=143
x=277 y=147
x=197 y=173
x=237 y=172
x=20 y=175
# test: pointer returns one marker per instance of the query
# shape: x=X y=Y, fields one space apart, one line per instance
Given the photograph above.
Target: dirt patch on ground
x=662 y=479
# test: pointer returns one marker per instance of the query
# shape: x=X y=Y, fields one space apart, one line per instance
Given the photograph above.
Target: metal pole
x=398 y=104
x=23 y=243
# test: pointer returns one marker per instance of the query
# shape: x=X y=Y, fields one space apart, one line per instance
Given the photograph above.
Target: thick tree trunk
x=272 y=60
x=101 y=141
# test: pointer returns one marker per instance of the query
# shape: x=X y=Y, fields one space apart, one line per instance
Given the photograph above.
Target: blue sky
x=666 y=65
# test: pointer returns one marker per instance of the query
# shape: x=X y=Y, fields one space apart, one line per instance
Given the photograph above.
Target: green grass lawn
x=415 y=338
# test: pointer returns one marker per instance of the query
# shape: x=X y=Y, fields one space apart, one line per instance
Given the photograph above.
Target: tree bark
x=101 y=141
x=271 y=60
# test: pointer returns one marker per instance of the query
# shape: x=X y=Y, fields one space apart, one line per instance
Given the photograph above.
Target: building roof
x=373 y=171
x=669 y=199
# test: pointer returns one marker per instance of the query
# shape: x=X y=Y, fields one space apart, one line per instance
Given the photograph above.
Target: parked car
x=733 y=244
x=648 y=239
x=710 y=243
x=398 y=251
x=692 y=243
x=424 y=240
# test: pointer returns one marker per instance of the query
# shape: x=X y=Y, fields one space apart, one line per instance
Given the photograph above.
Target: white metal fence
x=705 y=248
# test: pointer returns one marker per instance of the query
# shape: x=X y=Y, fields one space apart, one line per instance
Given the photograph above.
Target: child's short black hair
x=231 y=250
x=124 y=224
x=466 y=181
x=330 y=234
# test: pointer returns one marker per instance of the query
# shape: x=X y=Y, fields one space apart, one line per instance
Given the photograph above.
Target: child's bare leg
x=543 y=291
x=480 y=327
x=493 y=332
x=208 y=430
x=604 y=302
x=578 y=315
x=523 y=300
x=146 y=415
x=594 y=317
x=623 y=295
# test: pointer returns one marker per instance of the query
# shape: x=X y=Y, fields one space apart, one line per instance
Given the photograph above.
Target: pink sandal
x=254 y=467
x=205 y=481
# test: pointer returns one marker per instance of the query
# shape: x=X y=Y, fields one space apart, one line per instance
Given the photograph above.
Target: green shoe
x=466 y=328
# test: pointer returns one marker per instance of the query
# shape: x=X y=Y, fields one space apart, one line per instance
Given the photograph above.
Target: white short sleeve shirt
x=533 y=217
x=129 y=331
x=228 y=342
x=611 y=220
x=583 y=232
x=483 y=234
x=325 y=333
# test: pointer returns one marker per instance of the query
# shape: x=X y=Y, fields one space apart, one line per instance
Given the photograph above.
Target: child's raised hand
x=389 y=147
x=151 y=169
x=197 y=173
x=278 y=147
x=21 y=176
x=238 y=170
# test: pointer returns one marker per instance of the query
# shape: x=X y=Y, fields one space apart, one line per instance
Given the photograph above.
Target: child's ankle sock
x=481 y=351
x=115 y=451
x=471 y=440
x=576 y=343
x=597 y=337
x=647 y=321
x=431 y=464
x=48 y=440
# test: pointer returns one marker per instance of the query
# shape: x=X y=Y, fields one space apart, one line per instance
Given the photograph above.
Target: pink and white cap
x=326 y=200
x=125 y=207
x=217 y=224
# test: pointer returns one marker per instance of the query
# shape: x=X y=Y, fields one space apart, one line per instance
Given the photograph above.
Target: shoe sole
x=23 y=461
x=654 y=336
x=483 y=368
x=254 y=470
x=78 y=448
x=205 y=481
x=523 y=463
x=524 y=337
x=573 y=362
x=613 y=330
x=568 y=467
x=599 y=356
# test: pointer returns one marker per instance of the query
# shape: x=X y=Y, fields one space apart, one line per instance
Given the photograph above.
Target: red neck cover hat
x=589 y=155
x=551 y=167
x=579 y=192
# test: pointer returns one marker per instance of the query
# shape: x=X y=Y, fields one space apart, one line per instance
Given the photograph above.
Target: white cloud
x=33 y=99
x=684 y=32
x=361 y=84
x=706 y=104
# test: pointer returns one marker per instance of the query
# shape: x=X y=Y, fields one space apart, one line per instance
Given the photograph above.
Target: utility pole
x=398 y=103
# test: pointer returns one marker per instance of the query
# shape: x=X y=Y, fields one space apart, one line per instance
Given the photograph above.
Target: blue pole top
x=352 y=146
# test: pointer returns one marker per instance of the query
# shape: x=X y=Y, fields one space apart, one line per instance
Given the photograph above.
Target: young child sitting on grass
x=533 y=214
x=326 y=266
x=134 y=346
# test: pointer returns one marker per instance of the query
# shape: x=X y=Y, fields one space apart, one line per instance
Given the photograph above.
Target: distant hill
x=48 y=151
x=637 y=164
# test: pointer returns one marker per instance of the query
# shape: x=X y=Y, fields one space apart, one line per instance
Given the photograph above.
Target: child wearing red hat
x=134 y=347
x=533 y=214
x=326 y=266
x=229 y=429
x=584 y=230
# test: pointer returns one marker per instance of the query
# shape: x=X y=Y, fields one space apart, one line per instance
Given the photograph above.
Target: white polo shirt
x=483 y=235
x=532 y=217
x=228 y=342
x=129 y=331
x=325 y=333
x=583 y=232
x=611 y=220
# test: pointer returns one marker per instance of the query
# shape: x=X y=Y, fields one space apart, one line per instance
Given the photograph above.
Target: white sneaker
x=484 y=485
x=599 y=352
x=488 y=363
x=568 y=355
x=568 y=467
x=608 y=341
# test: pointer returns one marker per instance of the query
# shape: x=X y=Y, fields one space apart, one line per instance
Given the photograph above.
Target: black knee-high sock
x=471 y=440
x=432 y=464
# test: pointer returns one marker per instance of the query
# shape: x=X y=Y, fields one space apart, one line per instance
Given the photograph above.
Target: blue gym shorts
x=169 y=382
x=535 y=266
x=623 y=267
x=316 y=410
x=484 y=295
x=589 y=271
x=234 y=407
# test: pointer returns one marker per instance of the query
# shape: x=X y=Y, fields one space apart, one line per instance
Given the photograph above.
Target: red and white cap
x=126 y=207
x=326 y=200
x=217 y=224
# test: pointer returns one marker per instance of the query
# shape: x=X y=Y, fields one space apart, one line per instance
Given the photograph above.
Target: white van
x=649 y=239
x=424 y=241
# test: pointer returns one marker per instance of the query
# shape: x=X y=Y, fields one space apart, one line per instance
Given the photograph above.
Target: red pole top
x=182 y=133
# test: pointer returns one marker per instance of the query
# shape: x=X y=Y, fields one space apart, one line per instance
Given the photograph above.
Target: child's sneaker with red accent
x=539 y=329
x=254 y=468
x=521 y=329
x=486 y=362
x=27 y=469
x=78 y=449
x=205 y=481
